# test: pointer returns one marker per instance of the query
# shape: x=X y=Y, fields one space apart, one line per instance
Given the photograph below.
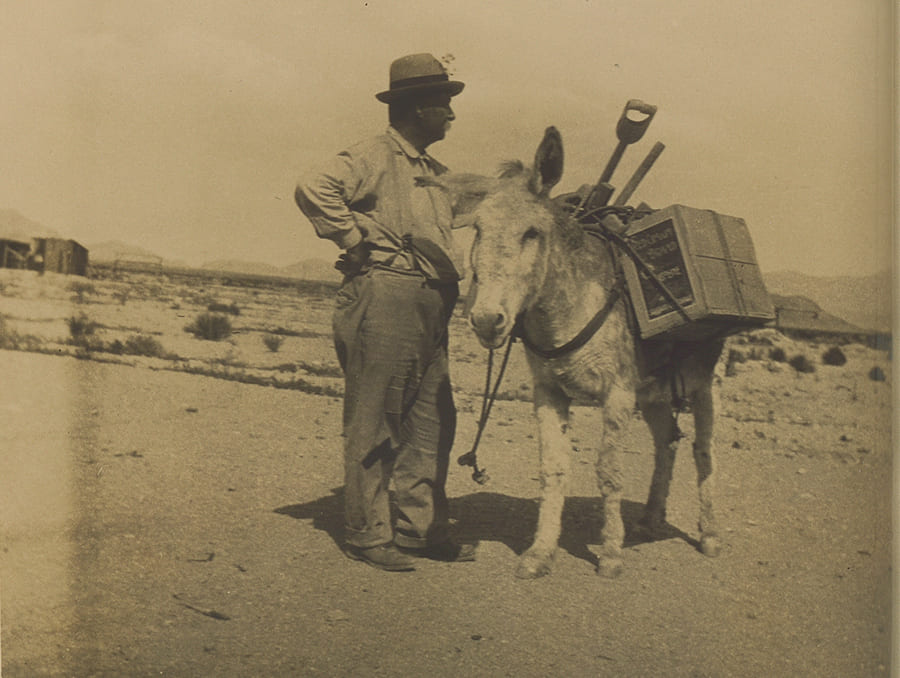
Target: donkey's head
x=513 y=221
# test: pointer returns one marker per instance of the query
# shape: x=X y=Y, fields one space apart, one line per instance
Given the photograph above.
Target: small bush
x=141 y=344
x=210 y=327
x=273 y=342
x=81 y=288
x=216 y=307
x=834 y=356
x=778 y=355
x=11 y=340
x=81 y=326
x=877 y=374
x=802 y=364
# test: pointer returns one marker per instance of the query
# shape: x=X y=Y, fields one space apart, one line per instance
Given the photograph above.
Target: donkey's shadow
x=490 y=516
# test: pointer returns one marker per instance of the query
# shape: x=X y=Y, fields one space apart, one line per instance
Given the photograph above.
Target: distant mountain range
x=864 y=301
x=308 y=269
x=14 y=226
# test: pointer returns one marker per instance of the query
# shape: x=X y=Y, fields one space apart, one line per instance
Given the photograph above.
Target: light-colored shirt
x=369 y=192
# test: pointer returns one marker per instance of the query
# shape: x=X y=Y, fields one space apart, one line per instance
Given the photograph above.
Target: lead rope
x=470 y=458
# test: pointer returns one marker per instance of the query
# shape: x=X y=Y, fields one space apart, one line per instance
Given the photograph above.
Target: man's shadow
x=489 y=516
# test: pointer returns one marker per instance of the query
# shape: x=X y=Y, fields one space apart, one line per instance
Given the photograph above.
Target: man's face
x=435 y=116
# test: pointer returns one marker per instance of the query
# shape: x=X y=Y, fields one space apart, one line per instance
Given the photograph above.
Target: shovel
x=632 y=124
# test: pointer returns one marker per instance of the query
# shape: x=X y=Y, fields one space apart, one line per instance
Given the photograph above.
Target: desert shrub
x=273 y=342
x=802 y=364
x=121 y=296
x=877 y=374
x=321 y=370
x=778 y=355
x=81 y=288
x=217 y=307
x=11 y=340
x=80 y=326
x=210 y=326
x=141 y=344
x=834 y=356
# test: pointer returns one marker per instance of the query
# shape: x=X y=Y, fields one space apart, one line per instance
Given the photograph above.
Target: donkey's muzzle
x=491 y=328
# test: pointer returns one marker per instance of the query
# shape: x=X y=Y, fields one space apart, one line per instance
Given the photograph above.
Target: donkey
x=536 y=269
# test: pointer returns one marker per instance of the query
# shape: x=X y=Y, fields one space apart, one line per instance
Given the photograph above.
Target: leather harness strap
x=580 y=339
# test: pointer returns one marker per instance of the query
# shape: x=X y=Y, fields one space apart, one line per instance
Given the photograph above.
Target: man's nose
x=450 y=114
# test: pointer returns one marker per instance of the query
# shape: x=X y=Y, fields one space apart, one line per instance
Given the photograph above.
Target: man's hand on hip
x=352 y=261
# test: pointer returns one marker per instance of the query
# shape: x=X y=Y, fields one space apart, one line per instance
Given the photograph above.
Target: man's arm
x=324 y=198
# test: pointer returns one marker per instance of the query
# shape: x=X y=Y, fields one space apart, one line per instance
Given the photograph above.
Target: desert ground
x=171 y=507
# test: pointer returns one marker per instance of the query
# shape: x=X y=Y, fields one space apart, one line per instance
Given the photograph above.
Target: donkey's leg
x=551 y=408
x=703 y=424
x=610 y=484
x=664 y=429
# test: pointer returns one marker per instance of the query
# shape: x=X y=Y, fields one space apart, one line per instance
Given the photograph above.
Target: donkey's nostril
x=488 y=321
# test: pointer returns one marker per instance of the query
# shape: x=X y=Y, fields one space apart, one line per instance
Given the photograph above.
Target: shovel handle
x=639 y=174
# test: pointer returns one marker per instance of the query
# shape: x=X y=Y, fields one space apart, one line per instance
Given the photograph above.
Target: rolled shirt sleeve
x=325 y=198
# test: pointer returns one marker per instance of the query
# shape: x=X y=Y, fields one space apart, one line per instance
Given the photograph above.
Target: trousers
x=399 y=419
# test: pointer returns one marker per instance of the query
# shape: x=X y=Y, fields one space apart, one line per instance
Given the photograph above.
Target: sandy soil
x=161 y=522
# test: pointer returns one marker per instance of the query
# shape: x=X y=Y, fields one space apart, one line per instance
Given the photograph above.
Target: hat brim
x=452 y=87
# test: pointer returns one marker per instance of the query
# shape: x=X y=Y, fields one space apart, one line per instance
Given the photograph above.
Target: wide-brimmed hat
x=418 y=73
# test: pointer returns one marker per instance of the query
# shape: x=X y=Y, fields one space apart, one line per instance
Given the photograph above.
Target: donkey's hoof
x=610 y=567
x=533 y=565
x=710 y=545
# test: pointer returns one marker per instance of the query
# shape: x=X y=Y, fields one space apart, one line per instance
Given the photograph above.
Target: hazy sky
x=181 y=127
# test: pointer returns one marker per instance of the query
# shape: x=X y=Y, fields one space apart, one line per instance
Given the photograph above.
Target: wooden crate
x=708 y=263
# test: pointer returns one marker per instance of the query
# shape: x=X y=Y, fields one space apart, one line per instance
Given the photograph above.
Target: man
x=400 y=284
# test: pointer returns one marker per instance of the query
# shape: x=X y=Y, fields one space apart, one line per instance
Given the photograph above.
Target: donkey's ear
x=548 y=163
x=466 y=191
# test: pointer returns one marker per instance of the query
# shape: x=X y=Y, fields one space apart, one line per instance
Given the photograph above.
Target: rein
x=479 y=475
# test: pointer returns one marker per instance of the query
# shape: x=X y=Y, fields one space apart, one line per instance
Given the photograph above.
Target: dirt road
x=161 y=523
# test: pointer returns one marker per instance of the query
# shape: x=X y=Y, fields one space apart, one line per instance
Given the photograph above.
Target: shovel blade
x=634 y=121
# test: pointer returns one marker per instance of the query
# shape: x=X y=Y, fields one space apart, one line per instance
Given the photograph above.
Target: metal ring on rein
x=479 y=475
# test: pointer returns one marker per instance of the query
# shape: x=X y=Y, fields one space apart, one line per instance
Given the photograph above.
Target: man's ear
x=548 y=163
x=466 y=191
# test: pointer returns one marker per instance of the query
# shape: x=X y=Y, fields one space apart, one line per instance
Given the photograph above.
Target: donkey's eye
x=530 y=234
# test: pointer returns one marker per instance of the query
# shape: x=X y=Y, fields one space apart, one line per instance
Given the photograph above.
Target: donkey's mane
x=511 y=168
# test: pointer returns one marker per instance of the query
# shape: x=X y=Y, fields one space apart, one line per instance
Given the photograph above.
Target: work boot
x=445 y=551
x=384 y=557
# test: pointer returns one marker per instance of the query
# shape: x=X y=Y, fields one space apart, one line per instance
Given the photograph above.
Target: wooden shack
x=57 y=255
x=14 y=253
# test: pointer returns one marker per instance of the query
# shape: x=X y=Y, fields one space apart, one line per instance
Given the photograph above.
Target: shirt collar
x=411 y=152
x=407 y=147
